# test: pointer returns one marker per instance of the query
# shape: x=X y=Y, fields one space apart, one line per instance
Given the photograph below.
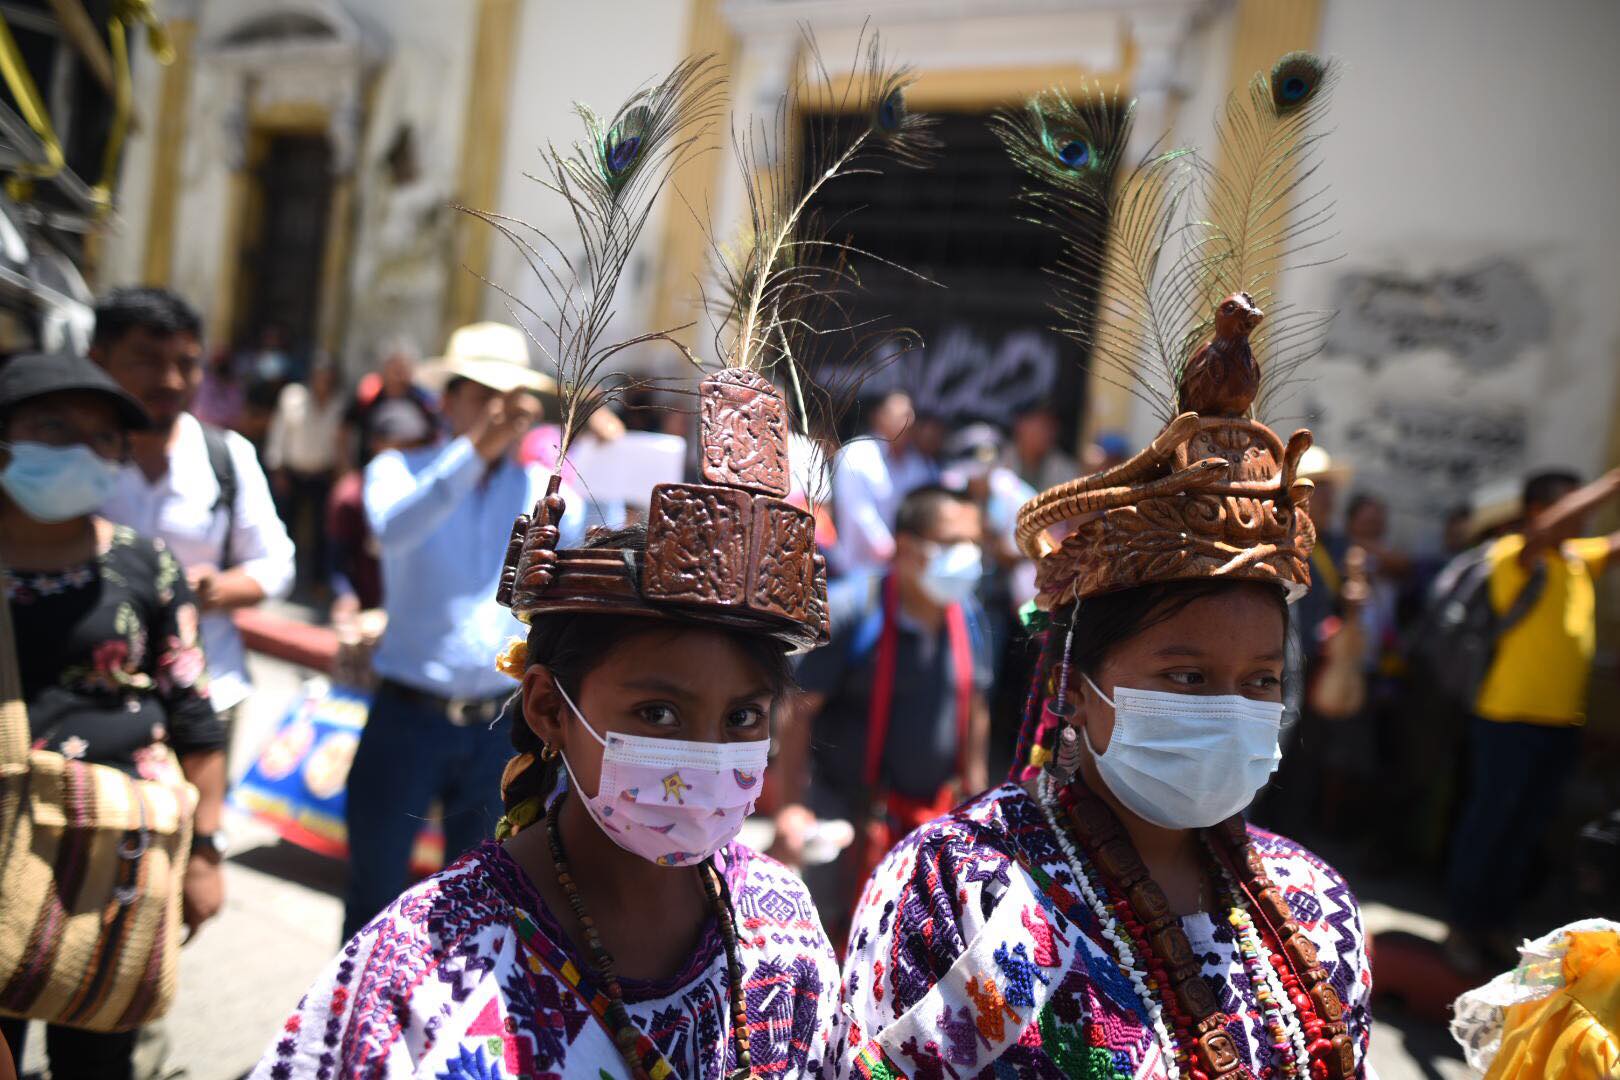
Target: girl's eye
x=657 y=715
x=749 y=717
x=1265 y=682
x=1186 y=678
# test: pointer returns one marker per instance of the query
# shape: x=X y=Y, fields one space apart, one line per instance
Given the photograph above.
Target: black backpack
x=1459 y=631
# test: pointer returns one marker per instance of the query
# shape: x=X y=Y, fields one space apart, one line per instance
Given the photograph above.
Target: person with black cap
x=106 y=631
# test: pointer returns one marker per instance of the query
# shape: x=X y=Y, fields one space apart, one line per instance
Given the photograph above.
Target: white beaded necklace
x=1264 y=978
x=1124 y=955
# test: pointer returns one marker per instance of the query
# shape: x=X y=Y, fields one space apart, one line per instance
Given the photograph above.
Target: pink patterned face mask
x=671 y=801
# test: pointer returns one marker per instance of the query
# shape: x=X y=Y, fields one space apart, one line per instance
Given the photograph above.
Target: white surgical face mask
x=674 y=802
x=56 y=483
x=1187 y=761
x=953 y=572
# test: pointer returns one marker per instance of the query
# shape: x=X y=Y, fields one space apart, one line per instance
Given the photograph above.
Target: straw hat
x=1317 y=464
x=491 y=354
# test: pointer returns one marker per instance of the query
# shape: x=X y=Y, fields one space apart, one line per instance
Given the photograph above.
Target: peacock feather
x=609 y=180
x=1116 y=223
x=1154 y=246
x=783 y=304
x=1263 y=212
x=788 y=259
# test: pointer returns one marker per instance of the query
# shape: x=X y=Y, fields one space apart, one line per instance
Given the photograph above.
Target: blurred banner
x=297 y=785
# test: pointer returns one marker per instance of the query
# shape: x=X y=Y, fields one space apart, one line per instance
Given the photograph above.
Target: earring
x=1066 y=762
x=548 y=752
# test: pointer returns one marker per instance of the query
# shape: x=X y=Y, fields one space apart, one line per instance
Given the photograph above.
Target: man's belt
x=461 y=712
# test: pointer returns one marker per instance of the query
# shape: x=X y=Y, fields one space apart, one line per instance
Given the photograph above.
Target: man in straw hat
x=441 y=515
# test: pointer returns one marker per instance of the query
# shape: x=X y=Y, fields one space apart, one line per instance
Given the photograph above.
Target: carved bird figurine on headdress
x=1222 y=377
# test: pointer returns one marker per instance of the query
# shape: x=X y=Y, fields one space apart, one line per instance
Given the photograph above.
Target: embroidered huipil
x=966 y=958
x=468 y=977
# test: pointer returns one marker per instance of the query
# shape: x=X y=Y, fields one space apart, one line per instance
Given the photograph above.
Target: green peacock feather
x=1155 y=246
x=783 y=303
x=788 y=260
x=1263 y=213
x=610 y=181
x=1117 y=223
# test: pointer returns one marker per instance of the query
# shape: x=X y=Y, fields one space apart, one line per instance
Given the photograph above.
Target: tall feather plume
x=610 y=181
x=785 y=285
x=1263 y=213
x=1116 y=222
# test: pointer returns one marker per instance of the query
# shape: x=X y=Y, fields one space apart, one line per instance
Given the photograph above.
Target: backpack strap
x=1534 y=586
x=220 y=461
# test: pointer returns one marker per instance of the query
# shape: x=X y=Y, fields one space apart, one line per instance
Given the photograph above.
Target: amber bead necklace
x=640 y=1055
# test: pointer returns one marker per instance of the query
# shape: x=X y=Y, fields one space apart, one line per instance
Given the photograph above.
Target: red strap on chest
x=881 y=703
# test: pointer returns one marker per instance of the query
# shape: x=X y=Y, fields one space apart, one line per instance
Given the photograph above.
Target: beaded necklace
x=640 y=1055
x=1303 y=1015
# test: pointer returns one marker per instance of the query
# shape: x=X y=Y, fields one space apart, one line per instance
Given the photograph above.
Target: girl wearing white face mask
x=1109 y=912
x=1174 y=694
x=106 y=645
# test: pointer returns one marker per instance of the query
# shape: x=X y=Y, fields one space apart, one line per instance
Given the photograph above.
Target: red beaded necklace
x=1198 y=1022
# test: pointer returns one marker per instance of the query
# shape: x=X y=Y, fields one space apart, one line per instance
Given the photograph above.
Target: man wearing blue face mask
x=894 y=706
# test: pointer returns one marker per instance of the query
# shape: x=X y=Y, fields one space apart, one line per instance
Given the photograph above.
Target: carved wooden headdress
x=1183 y=256
x=728 y=550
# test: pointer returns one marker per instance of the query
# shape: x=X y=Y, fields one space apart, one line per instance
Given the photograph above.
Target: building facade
x=300 y=162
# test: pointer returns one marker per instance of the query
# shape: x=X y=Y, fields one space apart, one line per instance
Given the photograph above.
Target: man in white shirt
x=870 y=478
x=198 y=489
x=301 y=455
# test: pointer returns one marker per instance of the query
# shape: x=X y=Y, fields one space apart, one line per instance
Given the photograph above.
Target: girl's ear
x=542 y=704
x=1091 y=714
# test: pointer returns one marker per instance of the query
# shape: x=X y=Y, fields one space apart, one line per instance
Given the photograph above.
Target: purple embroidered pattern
x=1000 y=1003
x=441 y=985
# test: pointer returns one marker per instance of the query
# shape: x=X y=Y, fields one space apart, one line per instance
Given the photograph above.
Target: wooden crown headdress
x=1169 y=305
x=729 y=550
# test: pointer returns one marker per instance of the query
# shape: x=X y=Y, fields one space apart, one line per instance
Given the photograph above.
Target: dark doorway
x=989 y=349
x=284 y=247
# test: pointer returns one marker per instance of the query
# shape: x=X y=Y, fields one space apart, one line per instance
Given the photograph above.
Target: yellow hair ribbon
x=520 y=817
x=514 y=659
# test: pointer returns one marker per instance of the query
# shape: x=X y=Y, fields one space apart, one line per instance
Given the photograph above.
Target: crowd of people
x=133 y=527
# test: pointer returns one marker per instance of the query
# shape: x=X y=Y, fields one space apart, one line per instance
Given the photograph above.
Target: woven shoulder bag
x=91 y=866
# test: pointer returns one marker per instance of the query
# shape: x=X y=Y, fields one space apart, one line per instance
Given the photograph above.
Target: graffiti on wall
x=1484 y=315
x=1425 y=455
x=961 y=375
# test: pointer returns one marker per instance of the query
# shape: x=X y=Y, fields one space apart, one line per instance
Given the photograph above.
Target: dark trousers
x=410 y=754
x=76 y=1054
x=1516 y=778
x=303 y=511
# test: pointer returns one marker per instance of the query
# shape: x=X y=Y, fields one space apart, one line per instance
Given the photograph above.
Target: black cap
x=33 y=375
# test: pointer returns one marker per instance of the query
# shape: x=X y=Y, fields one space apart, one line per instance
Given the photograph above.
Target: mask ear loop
x=1066 y=762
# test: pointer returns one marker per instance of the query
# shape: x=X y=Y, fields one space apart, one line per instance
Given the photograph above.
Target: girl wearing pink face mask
x=616 y=903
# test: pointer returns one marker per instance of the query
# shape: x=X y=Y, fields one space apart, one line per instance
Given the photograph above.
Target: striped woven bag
x=91 y=865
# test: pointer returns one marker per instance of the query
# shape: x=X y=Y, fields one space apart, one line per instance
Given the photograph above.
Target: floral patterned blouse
x=111 y=667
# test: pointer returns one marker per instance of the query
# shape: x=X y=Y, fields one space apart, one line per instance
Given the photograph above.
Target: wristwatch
x=213 y=846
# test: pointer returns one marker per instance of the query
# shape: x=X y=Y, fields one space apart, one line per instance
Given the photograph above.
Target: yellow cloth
x=1541 y=667
x=1573 y=1034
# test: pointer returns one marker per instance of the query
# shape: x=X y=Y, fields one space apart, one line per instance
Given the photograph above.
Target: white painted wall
x=598 y=54
x=1465 y=130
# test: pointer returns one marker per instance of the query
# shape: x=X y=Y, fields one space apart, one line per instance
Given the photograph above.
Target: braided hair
x=571 y=645
x=1102 y=622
